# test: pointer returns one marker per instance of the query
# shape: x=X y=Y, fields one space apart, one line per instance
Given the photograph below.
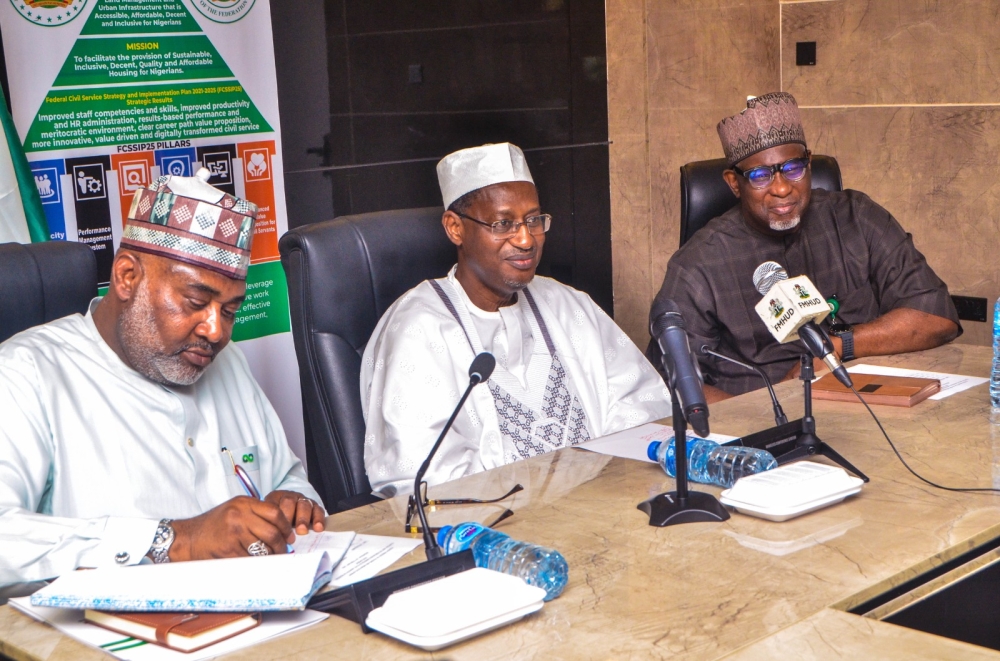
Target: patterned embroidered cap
x=186 y=219
x=768 y=121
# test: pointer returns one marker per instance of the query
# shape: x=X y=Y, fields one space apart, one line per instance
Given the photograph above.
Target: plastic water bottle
x=995 y=372
x=538 y=566
x=711 y=463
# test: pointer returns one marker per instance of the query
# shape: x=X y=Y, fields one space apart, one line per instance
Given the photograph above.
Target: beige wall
x=906 y=95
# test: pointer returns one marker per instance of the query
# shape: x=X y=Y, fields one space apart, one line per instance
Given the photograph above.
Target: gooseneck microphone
x=819 y=344
x=790 y=309
x=779 y=414
x=480 y=370
x=666 y=325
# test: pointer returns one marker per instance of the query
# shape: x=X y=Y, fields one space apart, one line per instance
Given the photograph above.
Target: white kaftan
x=93 y=454
x=565 y=355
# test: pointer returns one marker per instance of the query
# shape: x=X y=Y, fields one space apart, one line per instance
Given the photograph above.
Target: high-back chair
x=343 y=274
x=40 y=282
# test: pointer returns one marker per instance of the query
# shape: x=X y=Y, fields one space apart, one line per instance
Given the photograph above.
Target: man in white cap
x=565 y=372
x=137 y=431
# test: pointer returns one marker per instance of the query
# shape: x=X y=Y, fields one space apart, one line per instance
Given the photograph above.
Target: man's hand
x=227 y=530
x=303 y=513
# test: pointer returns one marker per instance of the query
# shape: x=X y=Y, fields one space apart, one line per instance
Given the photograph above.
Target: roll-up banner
x=107 y=95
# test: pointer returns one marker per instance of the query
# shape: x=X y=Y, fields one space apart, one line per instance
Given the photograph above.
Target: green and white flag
x=21 y=216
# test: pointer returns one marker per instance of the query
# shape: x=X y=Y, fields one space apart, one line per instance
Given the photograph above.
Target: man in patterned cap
x=890 y=300
x=137 y=430
x=565 y=372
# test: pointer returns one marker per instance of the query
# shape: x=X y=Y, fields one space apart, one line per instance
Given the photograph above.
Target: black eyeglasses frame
x=774 y=170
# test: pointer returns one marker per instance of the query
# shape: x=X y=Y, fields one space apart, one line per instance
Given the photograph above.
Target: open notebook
x=269 y=583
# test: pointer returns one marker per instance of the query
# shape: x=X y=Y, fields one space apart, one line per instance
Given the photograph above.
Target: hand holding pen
x=303 y=513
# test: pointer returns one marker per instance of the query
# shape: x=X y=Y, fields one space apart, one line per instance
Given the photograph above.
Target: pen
x=248 y=484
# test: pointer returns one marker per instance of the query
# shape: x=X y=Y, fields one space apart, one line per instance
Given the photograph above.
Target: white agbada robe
x=93 y=454
x=415 y=367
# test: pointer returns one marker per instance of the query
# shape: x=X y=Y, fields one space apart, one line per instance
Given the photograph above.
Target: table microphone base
x=355 y=601
x=667 y=510
x=788 y=443
x=807 y=445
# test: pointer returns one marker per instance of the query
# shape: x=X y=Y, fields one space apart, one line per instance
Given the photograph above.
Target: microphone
x=779 y=414
x=480 y=370
x=667 y=326
x=791 y=308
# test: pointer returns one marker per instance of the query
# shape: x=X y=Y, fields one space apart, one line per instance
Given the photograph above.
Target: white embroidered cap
x=470 y=169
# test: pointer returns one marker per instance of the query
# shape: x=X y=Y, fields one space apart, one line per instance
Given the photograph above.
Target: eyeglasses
x=504 y=229
x=411 y=507
x=761 y=176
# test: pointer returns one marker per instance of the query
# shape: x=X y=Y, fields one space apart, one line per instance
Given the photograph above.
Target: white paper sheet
x=368 y=555
x=70 y=622
x=950 y=383
x=335 y=544
x=633 y=443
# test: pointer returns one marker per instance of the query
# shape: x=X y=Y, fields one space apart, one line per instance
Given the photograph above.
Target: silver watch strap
x=162 y=540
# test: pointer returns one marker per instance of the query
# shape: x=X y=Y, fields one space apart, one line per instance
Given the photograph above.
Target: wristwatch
x=164 y=537
x=846 y=334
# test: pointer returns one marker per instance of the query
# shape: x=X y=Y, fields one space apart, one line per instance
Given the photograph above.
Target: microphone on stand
x=357 y=600
x=480 y=370
x=687 y=399
x=667 y=327
x=779 y=414
x=791 y=308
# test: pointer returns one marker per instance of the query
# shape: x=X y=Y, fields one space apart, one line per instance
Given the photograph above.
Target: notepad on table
x=183 y=632
x=877 y=389
x=269 y=583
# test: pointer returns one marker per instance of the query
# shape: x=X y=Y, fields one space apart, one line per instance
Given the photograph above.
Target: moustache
x=518 y=253
x=203 y=347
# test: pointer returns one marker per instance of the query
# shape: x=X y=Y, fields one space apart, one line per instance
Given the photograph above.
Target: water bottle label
x=464 y=533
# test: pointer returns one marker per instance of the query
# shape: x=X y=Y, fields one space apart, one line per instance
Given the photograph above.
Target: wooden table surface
x=742 y=589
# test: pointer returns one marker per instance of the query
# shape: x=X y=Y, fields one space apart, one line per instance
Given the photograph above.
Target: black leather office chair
x=342 y=276
x=705 y=194
x=40 y=282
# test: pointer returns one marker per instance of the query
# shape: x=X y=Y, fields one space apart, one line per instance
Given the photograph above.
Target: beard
x=139 y=336
x=785 y=225
x=517 y=285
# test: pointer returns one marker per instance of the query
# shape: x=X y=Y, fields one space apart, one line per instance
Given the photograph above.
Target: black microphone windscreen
x=662 y=306
x=482 y=366
x=664 y=314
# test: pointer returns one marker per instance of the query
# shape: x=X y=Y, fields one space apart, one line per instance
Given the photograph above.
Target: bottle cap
x=653 y=449
x=443 y=533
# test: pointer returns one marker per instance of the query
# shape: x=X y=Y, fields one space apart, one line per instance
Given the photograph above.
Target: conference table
x=742 y=589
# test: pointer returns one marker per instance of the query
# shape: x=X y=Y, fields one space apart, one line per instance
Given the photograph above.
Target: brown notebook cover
x=183 y=632
x=877 y=389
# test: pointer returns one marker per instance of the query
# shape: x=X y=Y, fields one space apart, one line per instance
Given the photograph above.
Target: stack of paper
x=270 y=583
x=244 y=585
x=71 y=623
x=791 y=490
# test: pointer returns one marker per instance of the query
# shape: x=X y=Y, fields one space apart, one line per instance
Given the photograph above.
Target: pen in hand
x=248 y=486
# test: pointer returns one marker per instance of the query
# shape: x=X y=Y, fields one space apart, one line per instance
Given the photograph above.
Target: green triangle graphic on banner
x=115 y=89
x=143 y=59
x=139 y=17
